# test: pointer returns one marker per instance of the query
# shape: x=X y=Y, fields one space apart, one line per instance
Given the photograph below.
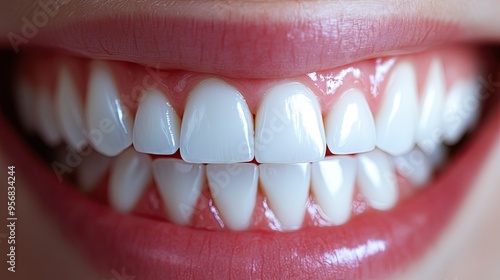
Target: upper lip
x=259 y=46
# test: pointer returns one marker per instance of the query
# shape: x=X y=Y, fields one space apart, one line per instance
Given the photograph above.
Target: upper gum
x=176 y=84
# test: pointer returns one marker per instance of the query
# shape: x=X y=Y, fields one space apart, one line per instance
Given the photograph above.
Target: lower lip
x=372 y=245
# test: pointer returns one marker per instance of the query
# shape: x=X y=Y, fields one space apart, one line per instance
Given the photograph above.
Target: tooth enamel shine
x=157 y=126
x=286 y=186
x=289 y=126
x=350 y=127
x=332 y=183
x=108 y=122
x=397 y=117
x=377 y=179
x=234 y=190
x=217 y=126
x=130 y=174
x=69 y=110
x=180 y=185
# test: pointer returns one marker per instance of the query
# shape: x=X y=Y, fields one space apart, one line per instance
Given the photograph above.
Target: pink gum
x=370 y=76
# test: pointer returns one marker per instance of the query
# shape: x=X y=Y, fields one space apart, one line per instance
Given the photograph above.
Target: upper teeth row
x=218 y=127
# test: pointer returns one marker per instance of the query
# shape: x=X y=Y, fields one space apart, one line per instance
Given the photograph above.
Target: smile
x=275 y=158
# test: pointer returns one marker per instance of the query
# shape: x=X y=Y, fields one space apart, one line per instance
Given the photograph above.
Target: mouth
x=170 y=157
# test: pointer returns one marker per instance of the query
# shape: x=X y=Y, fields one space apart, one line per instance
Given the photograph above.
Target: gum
x=370 y=76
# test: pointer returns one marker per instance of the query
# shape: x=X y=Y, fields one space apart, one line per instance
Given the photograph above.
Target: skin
x=467 y=249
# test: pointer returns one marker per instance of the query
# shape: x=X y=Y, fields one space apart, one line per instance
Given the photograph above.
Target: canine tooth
x=69 y=111
x=414 y=166
x=46 y=119
x=289 y=126
x=350 y=127
x=460 y=106
x=234 y=190
x=130 y=174
x=431 y=106
x=286 y=186
x=333 y=187
x=180 y=185
x=108 y=122
x=397 y=118
x=91 y=171
x=157 y=126
x=217 y=126
x=25 y=102
x=377 y=180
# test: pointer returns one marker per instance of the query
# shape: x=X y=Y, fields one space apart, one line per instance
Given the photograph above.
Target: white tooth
x=69 y=111
x=333 y=187
x=397 y=117
x=350 y=127
x=180 y=185
x=130 y=174
x=25 y=103
x=377 y=179
x=234 y=190
x=46 y=118
x=91 y=171
x=286 y=186
x=217 y=126
x=108 y=122
x=157 y=126
x=289 y=126
x=460 y=107
x=414 y=166
x=431 y=106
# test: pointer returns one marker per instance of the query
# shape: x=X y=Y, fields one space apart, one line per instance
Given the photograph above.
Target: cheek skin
x=469 y=247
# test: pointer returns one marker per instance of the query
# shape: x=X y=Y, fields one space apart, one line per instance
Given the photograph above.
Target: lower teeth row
x=330 y=183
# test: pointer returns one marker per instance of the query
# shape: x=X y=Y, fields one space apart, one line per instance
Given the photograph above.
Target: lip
x=360 y=249
x=152 y=249
x=295 y=43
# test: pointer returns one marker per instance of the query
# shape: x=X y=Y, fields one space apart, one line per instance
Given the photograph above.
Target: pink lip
x=278 y=48
x=362 y=248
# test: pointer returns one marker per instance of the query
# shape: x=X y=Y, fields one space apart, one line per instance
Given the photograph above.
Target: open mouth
x=225 y=164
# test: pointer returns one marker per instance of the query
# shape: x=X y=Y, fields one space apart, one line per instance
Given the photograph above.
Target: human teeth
x=69 y=111
x=376 y=179
x=180 y=185
x=234 y=190
x=217 y=126
x=460 y=106
x=438 y=156
x=333 y=187
x=130 y=174
x=289 y=126
x=25 y=105
x=350 y=127
x=286 y=186
x=109 y=125
x=91 y=171
x=157 y=126
x=46 y=119
x=431 y=106
x=397 y=118
x=415 y=166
